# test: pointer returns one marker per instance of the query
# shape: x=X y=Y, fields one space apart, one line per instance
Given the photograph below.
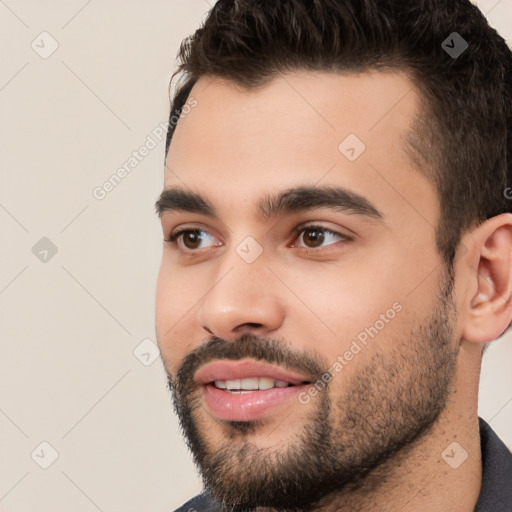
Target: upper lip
x=232 y=370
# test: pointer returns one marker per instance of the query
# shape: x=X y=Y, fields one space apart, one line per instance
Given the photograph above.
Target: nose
x=244 y=298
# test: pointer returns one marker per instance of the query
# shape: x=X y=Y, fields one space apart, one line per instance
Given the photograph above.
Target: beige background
x=73 y=323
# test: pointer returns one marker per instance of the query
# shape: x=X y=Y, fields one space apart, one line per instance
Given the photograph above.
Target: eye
x=309 y=237
x=191 y=239
x=315 y=236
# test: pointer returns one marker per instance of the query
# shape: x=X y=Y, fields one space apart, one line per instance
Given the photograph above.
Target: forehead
x=302 y=128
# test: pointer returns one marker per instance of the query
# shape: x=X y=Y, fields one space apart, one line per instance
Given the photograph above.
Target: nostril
x=253 y=325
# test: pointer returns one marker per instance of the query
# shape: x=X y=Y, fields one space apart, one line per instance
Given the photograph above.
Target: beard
x=387 y=406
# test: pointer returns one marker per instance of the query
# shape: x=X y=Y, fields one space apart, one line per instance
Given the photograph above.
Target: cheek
x=348 y=291
x=173 y=309
x=176 y=293
x=369 y=299
x=332 y=304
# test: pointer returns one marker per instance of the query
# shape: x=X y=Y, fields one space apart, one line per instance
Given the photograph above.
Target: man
x=337 y=254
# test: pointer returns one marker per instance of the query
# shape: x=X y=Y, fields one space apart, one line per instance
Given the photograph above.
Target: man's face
x=338 y=302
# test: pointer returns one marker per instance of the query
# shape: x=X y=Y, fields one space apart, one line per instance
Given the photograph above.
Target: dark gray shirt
x=495 y=494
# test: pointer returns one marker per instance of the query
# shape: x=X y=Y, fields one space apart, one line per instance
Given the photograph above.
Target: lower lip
x=247 y=406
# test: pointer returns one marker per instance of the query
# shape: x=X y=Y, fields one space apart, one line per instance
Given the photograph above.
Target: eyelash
x=172 y=239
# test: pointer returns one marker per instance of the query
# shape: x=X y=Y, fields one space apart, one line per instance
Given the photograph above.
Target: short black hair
x=462 y=138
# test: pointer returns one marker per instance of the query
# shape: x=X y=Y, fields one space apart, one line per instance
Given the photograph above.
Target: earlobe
x=489 y=311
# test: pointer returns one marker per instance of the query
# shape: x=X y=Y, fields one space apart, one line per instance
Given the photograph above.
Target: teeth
x=266 y=383
x=250 y=384
x=233 y=384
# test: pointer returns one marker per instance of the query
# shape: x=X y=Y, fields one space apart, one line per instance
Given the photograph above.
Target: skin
x=236 y=146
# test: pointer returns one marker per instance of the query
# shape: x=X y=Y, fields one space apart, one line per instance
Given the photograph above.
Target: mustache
x=270 y=350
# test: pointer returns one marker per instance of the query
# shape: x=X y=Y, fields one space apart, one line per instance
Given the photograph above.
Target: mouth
x=247 y=390
x=251 y=384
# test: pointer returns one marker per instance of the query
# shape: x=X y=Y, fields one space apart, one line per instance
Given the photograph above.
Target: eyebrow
x=292 y=200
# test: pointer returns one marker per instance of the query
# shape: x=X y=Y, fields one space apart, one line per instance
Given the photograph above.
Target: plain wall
x=73 y=322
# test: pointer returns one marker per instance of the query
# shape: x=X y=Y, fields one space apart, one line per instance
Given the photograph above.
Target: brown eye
x=190 y=239
x=313 y=237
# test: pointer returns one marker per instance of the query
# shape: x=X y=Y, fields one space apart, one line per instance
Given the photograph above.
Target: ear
x=488 y=305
